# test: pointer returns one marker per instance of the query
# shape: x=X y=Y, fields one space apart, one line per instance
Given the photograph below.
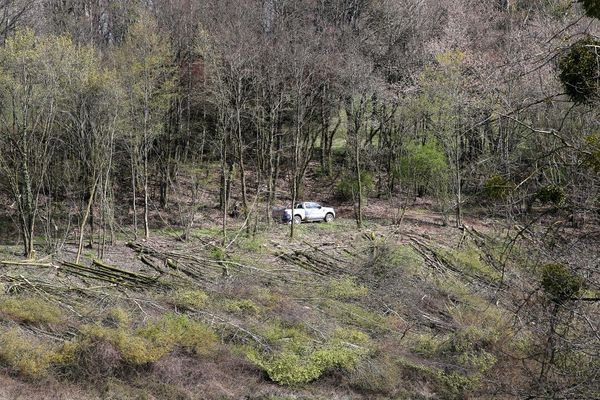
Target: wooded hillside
x=143 y=145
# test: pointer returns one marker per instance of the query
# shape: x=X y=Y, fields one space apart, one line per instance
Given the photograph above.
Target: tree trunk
x=86 y=215
x=458 y=184
x=134 y=195
x=146 y=198
x=240 y=151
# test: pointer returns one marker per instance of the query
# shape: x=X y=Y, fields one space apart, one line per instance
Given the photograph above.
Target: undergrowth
x=301 y=359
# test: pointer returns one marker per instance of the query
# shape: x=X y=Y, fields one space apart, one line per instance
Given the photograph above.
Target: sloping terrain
x=416 y=310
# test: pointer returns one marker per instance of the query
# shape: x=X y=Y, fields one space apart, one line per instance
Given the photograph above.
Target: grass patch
x=244 y=306
x=188 y=299
x=448 y=384
x=403 y=257
x=428 y=344
x=30 y=310
x=482 y=325
x=357 y=316
x=180 y=331
x=345 y=288
x=469 y=261
x=281 y=335
x=255 y=244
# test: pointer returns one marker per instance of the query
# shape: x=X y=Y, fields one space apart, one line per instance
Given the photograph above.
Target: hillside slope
x=416 y=310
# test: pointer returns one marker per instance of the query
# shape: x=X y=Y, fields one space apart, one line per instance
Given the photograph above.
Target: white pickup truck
x=304 y=212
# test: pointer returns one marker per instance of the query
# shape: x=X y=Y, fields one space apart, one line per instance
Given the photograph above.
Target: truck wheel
x=297 y=219
x=329 y=217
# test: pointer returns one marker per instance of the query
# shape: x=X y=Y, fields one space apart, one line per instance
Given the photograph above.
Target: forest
x=145 y=143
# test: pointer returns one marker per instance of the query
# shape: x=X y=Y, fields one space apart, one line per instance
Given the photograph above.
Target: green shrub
x=179 y=330
x=347 y=188
x=149 y=343
x=351 y=336
x=218 y=253
x=31 y=310
x=455 y=385
x=482 y=361
x=482 y=326
x=287 y=368
x=299 y=359
x=552 y=194
x=118 y=317
x=29 y=357
x=339 y=356
x=579 y=67
x=424 y=168
x=591 y=7
x=592 y=155
x=279 y=334
x=498 y=188
x=290 y=368
x=560 y=283
x=449 y=384
x=428 y=344
x=132 y=349
x=357 y=316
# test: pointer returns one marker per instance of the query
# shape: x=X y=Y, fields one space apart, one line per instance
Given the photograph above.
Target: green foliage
x=552 y=194
x=591 y=7
x=406 y=258
x=579 y=69
x=293 y=365
x=30 y=310
x=592 y=155
x=498 y=188
x=179 y=330
x=149 y=343
x=424 y=167
x=345 y=288
x=351 y=336
x=287 y=368
x=428 y=344
x=255 y=244
x=244 y=306
x=456 y=385
x=218 y=253
x=560 y=283
x=119 y=317
x=470 y=261
x=449 y=384
x=465 y=346
x=29 y=357
x=292 y=337
x=189 y=299
x=347 y=188
x=482 y=361
x=358 y=316
x=482 y=326
x=132 y=349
